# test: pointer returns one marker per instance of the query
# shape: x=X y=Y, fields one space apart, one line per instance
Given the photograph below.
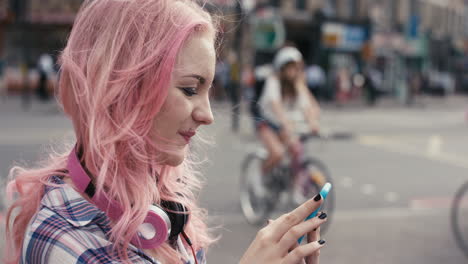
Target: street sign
x=342 y=36
x=268 y=29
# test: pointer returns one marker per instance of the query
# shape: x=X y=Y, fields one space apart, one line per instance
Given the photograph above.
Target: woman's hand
x=277 y=242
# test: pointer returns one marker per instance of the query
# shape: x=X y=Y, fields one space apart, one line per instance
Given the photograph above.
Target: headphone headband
x=83 y=183
x=158 y=223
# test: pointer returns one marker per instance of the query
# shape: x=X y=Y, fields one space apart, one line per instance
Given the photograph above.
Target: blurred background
x=390 y=75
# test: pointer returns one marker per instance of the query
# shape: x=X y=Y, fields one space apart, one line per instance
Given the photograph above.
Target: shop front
x=40 y=27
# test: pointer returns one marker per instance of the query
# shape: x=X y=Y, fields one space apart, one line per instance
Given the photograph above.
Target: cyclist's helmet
x=286 y=55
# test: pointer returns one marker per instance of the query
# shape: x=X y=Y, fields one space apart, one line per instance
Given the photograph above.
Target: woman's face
x=290 y=71
x=187 y=105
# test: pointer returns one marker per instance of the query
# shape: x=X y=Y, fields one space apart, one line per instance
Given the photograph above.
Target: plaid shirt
x=69 y=229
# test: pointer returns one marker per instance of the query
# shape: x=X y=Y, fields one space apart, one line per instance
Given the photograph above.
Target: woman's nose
x=202 y=114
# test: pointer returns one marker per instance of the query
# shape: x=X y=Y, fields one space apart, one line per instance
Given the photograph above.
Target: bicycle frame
x=295 y=161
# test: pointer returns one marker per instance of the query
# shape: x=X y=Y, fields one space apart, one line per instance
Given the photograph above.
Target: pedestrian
x=45 y=67
x=135 y=79
x=221 y=78
x=233 y=87
x=3 y=80
x=316 y=79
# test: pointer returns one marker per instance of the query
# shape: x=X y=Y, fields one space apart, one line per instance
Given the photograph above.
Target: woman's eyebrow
x=201 y=79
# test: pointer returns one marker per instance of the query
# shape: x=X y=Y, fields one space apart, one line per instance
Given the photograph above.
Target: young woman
x=135 y=78
x=284 y=103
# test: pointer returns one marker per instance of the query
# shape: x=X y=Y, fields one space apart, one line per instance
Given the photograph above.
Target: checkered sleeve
x=50 y=239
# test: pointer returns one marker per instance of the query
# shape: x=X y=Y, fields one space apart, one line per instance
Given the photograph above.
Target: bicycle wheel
x=315 y=175
x=256 y=208
x=459 y=218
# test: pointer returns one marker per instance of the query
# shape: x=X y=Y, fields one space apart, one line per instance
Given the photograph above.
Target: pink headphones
x=159 y=225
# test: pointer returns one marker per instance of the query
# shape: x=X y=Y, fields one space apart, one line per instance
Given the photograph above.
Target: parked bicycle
x=280 y=182
x=459 y=218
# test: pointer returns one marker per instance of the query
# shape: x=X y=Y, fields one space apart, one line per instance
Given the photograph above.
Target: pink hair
x=115 y=73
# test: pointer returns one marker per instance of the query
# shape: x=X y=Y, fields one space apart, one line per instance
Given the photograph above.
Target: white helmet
x=286 y=55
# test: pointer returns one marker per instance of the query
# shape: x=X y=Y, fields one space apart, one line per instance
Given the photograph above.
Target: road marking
x=405 y=149
x=434 y=145
x=391 y=197
x=382 y=213
x=435 y=202
x=347 y=182
x=368 y=189
x=348 y=215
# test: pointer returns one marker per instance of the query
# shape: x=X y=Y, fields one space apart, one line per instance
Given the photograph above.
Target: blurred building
x=403 y=35
x=400 y=36
x=420 y=36
x=34 y=27
x=4 y=18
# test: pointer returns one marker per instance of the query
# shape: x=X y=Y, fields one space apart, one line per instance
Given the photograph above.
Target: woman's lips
x=187 y=135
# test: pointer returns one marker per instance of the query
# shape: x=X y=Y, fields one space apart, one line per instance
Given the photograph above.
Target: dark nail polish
x=322 y=216
x=315 y=229
x=317 y=197
x=321 y=241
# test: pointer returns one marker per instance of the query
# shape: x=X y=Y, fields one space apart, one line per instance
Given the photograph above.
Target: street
x=393 y=179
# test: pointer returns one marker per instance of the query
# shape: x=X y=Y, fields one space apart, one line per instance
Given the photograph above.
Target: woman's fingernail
x=322 y=216
x=317 y=197
x=321 y=241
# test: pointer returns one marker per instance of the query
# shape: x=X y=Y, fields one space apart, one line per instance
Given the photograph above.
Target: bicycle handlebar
x=308 y=136
x=304 y=137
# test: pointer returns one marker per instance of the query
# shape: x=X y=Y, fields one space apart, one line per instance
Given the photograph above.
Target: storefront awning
x=53 y=12
x=3 y=10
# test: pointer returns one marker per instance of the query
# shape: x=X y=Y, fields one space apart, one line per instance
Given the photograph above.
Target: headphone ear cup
x=155 y=229
x=178 y=214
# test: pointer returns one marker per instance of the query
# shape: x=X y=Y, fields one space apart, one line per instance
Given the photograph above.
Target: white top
x=294 y=108
x=46 y=63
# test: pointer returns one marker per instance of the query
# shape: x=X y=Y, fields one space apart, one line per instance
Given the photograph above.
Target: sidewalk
x=421 y=102
x=14 y=105
x=387 y=116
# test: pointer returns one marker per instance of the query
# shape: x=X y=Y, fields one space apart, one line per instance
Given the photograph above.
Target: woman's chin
x=174 y=159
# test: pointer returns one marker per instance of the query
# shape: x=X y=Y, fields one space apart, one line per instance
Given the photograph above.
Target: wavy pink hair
x=115 y=73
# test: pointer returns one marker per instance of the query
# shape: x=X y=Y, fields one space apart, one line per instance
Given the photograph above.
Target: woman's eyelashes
x=189 y=91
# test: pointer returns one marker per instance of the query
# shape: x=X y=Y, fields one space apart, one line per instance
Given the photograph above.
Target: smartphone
x=324 y=192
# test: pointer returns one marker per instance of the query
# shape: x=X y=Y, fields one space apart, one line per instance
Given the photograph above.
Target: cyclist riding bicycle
x=284 y=103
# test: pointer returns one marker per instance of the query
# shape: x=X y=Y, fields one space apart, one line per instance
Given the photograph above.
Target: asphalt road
x=393 y=180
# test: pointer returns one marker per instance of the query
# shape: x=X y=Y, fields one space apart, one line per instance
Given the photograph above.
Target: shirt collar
x=71 y=205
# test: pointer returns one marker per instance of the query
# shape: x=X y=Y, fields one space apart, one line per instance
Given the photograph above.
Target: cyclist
x=285 y=102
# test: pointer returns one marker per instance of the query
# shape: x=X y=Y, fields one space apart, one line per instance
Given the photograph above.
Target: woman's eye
x=189 y=91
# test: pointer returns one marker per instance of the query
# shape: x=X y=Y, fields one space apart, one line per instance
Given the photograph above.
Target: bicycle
x=459 y=218
x=314 y=172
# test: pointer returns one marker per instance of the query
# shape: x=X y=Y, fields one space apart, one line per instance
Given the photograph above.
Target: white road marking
x=347 y=182
x=348 y=215
x=368 y=189
x=434 y=145
x=405 y=149
x=391 y=197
